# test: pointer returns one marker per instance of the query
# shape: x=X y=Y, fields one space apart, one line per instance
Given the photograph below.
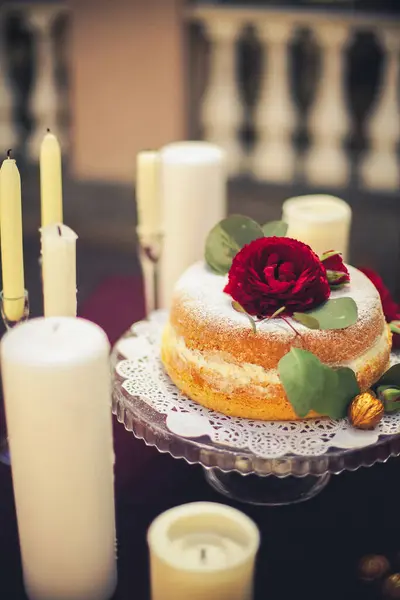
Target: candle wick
x=48 y=130
x=9 y=153
x=56 y=327
x=203 y=555
x=59 y=230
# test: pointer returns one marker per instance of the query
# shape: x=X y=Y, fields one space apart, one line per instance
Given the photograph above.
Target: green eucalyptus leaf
x=306 y=320
x=390 y=396
x=334 y=314
x=239 y=308
x=391 y=377
x=340 y=388
x=311 y=385
x=275 y=229
x=226 y=239
x=277 y=312
x=302 y=379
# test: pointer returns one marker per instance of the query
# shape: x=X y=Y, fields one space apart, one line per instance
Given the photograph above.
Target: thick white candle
x=148 y=192
x=51 y=180
x=202 y=551
x=59 y=270
x=321 y=221
x=56 y=382
x=193 y=194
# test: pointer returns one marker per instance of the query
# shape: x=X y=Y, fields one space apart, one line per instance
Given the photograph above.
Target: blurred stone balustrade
x=296 y=81
x=284 y=77
x=33 y=75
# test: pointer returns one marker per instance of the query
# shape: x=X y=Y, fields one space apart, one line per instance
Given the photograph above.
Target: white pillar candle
x=59 y=270
x=202 y=551
x=51 y=180
x=321 y=221
x=193 y=188
x=57 y=391
x=148 y=192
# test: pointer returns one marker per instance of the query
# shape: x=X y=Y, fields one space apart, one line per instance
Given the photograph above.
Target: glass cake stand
x=240 y=473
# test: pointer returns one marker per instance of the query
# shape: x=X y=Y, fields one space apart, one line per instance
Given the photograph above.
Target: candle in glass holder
x=57 y=392
x=202 y=551
x=321 y=221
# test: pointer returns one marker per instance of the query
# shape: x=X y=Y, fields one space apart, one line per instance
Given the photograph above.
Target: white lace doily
x=144 y=377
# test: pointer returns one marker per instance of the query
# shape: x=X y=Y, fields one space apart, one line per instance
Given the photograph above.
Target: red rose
x=336 y=269
x=273 y=272
x=391 y=310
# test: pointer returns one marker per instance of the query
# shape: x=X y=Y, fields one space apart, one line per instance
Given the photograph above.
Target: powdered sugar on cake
x=202 y=292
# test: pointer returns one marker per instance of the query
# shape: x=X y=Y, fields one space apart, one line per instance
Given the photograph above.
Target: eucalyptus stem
x=291 y=326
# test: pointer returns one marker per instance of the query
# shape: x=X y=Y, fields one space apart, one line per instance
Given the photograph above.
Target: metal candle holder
x=150 y=249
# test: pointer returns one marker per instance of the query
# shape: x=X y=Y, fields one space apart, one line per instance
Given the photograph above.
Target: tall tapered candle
x=148 y=192
x=57 y=391
x=12 y=257
x=59 y=270
x=51 y=180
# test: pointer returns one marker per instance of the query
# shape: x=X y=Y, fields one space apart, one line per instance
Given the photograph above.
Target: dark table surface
x=309 y=550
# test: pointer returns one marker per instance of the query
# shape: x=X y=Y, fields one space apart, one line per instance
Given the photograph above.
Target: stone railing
x=274 y=116
x=33 y=75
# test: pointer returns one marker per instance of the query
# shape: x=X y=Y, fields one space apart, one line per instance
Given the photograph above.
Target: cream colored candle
x=59 y=270
x=321 y=221
x=202 y=551
x=193 y=194
x=148 y=192
x=12 y=257
x=57 y=391
x=51 y=180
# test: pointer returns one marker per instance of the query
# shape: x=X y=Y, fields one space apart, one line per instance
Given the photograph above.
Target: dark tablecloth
x=308 y=550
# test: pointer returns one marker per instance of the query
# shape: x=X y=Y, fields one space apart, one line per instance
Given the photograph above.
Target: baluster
x=380 y=167
x=8 y=133
x=326 y=162
x=62 y=42
x=44 y=95
x=221 y=110
x=274 y=157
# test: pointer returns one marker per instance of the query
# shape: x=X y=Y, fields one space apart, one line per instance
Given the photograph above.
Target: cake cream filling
x=227 y=374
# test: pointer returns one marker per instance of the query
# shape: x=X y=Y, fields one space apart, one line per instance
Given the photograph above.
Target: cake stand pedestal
x=267 y=491
x=255 y=462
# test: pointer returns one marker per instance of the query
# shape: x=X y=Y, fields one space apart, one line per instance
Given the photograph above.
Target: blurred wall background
x=128 y=89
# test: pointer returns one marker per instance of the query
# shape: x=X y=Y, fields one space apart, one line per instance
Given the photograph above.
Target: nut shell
x=372 y=567
x=365 y=411
x=391 y=586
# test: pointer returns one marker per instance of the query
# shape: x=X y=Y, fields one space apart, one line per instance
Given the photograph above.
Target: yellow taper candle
x=148 y=192
x=51 y=180
x=12 y=257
